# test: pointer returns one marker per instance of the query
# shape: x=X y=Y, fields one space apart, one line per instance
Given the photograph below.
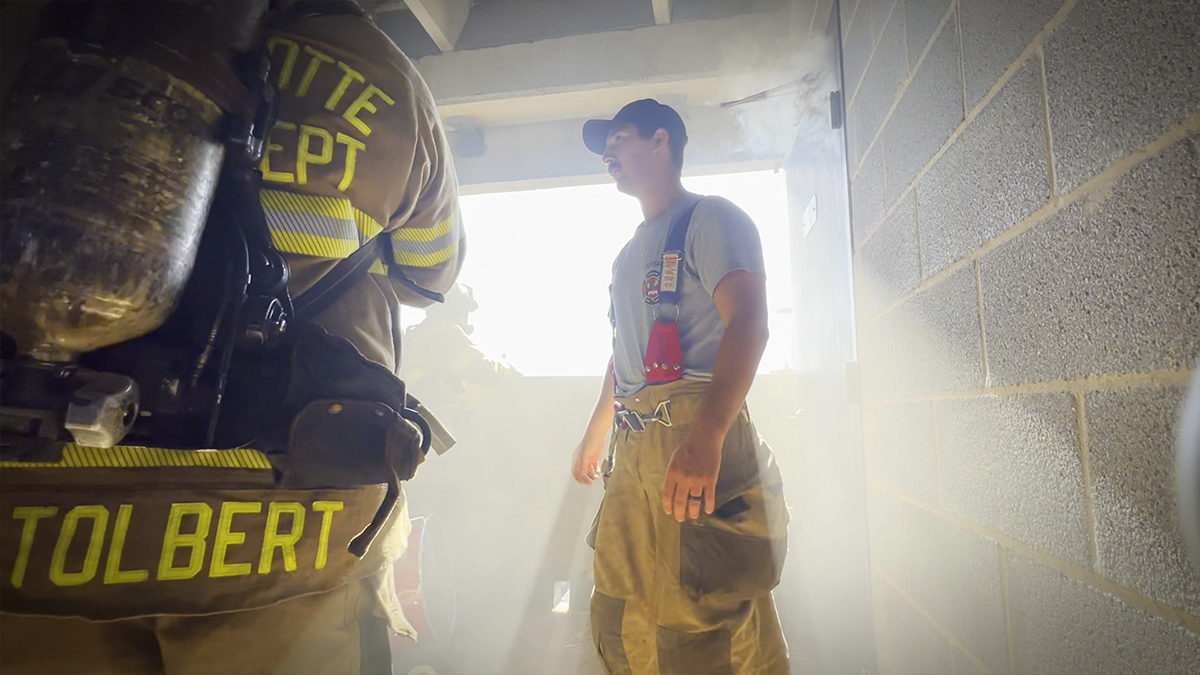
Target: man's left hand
x=692 y=476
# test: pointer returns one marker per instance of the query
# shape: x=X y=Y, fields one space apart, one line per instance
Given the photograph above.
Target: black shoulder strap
x=349 y=271
x=668 y=293
x=678 y=234
x=332 y=286
x=676 y=240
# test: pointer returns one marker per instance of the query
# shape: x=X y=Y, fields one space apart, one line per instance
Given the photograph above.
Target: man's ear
x=662 y=140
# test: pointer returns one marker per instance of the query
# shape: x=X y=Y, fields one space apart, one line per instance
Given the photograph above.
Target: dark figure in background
x=440 y=359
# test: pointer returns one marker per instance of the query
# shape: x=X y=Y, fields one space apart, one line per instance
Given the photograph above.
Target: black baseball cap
x=646 y=114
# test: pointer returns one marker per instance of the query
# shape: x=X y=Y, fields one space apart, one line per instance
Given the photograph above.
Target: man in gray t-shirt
x=720 y=240
x=684 y=587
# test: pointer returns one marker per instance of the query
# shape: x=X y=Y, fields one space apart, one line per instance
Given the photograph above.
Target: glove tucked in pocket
x=349 y=444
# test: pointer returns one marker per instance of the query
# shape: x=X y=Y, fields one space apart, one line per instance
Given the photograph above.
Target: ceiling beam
x=442 y=19
x=662 y=11
x=751 y=44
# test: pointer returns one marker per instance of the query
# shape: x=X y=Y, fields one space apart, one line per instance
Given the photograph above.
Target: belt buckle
x=662 y=413
x=635 y=421
x=632 y=420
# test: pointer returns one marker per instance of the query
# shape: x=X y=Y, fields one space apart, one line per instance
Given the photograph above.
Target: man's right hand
x=585 y=461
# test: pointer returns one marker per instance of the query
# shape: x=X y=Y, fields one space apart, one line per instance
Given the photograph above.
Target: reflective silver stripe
x=428 y=247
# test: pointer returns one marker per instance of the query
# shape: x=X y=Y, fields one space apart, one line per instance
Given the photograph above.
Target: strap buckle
x=635 y=421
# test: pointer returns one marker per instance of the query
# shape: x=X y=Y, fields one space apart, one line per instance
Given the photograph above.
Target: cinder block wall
x=1026 y=219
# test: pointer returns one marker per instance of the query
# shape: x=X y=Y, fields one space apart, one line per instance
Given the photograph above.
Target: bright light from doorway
x=540 y=263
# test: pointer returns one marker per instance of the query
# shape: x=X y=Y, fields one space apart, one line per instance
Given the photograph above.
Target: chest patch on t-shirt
x=650 y=287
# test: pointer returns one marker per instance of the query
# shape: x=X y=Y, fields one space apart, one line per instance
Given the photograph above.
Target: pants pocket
x=715 y=562
x=738 y=551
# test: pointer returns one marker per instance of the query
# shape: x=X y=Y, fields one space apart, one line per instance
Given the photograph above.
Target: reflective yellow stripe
x=321 y=227
x=425 y=234
x=427 y=247
x=325 y=227
x=366 y=224
x=426 y=259
x=278 y=200
x=129 y=457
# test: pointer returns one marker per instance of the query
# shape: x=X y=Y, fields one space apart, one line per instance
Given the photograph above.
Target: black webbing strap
x=676 y=239
x=349 y=271
x=332 y=286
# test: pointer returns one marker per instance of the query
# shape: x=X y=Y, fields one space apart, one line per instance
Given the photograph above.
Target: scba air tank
x=110 y=152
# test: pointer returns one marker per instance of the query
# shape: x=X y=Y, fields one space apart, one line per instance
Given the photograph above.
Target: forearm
x=602 y=414
x=738 y=355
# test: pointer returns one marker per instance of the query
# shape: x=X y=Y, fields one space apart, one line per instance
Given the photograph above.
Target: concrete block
x=906 y=449
x=1061 y=625
x=857 y=47
x=929 y=112
x=963 y=665
x=921 y=18
x=1119 y=73
x=1012 y=463
x=885 y=517
x=885 y=74
x=991 y=179
x=913 y=644
x=852 y=151
x=937 y=339
x=955 y=576
x=1106 y=286
x=876 y=359
x=847 y=9
x=1132 y=445
x=890 y=259
x=878 y=588
x=994 y=34
x=867 y=189
x=880 y=9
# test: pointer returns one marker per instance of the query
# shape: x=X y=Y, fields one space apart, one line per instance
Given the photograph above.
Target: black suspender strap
x=672 y=258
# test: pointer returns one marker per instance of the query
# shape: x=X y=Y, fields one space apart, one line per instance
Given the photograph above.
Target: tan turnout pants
x=691 y=598
x=331 y=633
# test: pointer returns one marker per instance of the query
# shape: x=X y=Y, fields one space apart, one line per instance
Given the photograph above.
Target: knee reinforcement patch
x=607 y=615
x=707 y=653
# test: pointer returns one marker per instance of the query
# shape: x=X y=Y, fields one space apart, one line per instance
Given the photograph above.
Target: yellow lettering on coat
x=31 y=515
x=113 y=574
x=273 y=539
x=58 y=574
x=174 y=540
x=226 y=537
